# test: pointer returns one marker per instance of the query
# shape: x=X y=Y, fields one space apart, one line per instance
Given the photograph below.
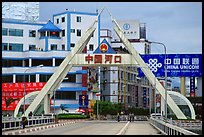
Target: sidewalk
x=37 y=128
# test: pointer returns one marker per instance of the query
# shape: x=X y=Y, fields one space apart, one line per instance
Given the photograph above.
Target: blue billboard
x=187 y=65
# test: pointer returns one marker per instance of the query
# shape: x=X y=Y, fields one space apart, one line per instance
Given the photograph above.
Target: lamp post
x=25 y=86
x=165 y=70
x=98 y=96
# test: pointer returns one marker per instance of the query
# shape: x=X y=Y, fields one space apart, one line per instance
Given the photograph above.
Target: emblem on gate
x=103 y=47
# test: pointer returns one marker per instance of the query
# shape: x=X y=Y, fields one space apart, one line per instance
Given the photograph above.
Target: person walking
x=24 y=120
x=30 y=114
x=118 y=116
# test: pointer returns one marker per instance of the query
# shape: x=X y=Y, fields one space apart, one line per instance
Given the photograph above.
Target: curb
x=41 y=127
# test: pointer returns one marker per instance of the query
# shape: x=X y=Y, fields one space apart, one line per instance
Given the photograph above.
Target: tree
x=9 y=101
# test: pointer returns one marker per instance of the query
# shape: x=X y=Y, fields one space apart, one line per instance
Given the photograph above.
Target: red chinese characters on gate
x=16 y=90
x=108 y=59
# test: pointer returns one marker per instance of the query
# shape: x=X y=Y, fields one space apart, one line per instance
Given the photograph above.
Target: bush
x=71 y=116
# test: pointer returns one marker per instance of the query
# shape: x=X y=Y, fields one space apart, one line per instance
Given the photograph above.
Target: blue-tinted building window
x=16 y=32
x=63 y=33
x=4 y=31
x=63 y=19
x=32 y=47
x=15 y=47
x=53 y=46
x=4 y=46
x=57 y=21
x=32 y=33
x=78 y=19
x=72 y=30
x=78 y=32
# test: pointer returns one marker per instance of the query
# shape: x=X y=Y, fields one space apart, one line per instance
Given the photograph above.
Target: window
x=32 y=33
x=63 y=46
x=43 y=34
x=91 y=47
x=57 y=21
x=44 y=78
x=4 y=46
x=72 y=30
x=63 y=33
x=78 y=19
x=4 y=31
x=65 y=95
x=53 y=46
x=7 y=79
x=53 y=34
x=16 y=32
x=32 y=47
x=78 y=32
x=15 y=47
x=72 y=45
x=63 y=19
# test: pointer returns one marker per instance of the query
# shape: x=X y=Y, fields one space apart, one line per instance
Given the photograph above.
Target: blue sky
x=176 y=24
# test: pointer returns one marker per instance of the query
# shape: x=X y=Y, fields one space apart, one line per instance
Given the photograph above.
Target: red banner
x=16 y=90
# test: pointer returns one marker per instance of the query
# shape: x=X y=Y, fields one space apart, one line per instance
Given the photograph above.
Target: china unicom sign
x=21 y=10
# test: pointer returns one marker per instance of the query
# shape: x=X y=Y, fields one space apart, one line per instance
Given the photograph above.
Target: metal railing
x=169 y=129
x=9 y=123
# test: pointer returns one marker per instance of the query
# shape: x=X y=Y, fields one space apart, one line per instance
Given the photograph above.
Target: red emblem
x=103 y=47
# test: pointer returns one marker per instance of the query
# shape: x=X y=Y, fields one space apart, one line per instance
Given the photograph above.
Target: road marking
x=122 y=131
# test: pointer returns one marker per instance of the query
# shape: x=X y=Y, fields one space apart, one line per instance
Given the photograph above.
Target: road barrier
x=169 y=129
x=9 y=123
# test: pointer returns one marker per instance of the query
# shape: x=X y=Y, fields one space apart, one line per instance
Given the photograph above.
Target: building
x=28 y=44
x=120 y=83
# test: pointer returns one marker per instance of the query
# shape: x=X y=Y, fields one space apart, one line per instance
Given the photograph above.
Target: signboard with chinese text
x=177 y=65
x=103 y=59
x=16 y=90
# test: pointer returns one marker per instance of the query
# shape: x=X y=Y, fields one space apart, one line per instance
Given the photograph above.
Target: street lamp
x=165 y=70
x=25 y=86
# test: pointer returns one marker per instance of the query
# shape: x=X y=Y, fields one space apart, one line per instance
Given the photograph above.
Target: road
x=100 y=128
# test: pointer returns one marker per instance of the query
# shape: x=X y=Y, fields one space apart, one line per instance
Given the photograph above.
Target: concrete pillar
x=47 y=104
x=183 y=85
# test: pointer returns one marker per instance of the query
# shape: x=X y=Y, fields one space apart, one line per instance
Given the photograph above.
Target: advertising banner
x=178 y=65
x=16 y=90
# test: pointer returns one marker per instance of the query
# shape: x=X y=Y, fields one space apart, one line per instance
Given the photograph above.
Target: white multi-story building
x=120 y=83
x=27 y=44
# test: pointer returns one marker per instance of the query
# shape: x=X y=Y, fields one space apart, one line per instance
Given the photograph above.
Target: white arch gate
x=80 y=59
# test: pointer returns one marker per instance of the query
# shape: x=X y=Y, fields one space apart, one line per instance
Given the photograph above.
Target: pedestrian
x=133 y=117
x=24 y=120
x=118 y=116
x=30 y=114
x=130 y=117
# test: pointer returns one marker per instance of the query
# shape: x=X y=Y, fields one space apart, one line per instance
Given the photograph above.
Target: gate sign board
x=83 y=101
x=178 y=65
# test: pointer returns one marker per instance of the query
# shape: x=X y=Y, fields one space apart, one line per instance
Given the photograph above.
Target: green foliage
x=71 y=116
x=107 y=107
